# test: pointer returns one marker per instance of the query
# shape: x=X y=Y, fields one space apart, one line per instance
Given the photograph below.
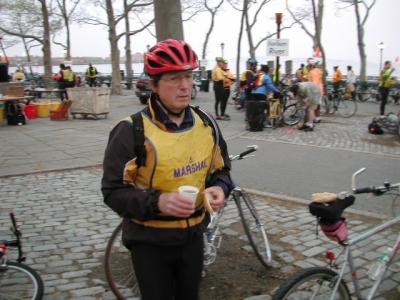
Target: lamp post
x=278 y=20
x=148 y=48
x=222 y=49
x=381 y=46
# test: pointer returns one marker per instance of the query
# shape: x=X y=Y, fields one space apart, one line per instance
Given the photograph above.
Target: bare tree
x=138 y=9
x=361 y=20
x=37 y=27
x=67 y=15
x=213 y=11
x=112 y=20
x=302 y=16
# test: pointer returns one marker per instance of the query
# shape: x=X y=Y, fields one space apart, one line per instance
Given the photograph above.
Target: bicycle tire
x=296 y=286
x=18 y=274
x=253 y=227
x=118 y=266
x=292 y=115
x=346 y=107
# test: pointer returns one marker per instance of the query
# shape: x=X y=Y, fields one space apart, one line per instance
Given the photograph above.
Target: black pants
x=219 y=92
x=62 y=85
x=169 y=272
x=92 y=81
x=227 y=92
x=384 y=93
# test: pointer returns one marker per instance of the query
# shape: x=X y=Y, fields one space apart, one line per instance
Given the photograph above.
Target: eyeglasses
x=176 y=79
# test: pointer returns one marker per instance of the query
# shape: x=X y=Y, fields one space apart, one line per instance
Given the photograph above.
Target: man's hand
x=175 y=204
x=217 y=196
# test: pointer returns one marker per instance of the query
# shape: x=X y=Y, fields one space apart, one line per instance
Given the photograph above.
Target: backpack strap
x=207 y=121
x=138 y=138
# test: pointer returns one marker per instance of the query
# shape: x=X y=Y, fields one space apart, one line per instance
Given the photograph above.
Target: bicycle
x=328 y=282
x=339 y=101
x=118 y=267
x=17 y=280
x=285 y=111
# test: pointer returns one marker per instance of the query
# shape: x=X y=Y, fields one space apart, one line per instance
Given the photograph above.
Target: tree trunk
x=112 y=37
x=239 y=42
x=128 y=53
x=168 y=17
x=249 y=36
x=28 y=56
x=46 y=44
x=361 y=45
x=318 y=13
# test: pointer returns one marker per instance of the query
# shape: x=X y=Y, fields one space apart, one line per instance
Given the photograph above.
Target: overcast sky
x=339 y=35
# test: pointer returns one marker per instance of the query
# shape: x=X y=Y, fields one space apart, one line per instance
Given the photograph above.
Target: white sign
x=278 y=47
x=203 y=62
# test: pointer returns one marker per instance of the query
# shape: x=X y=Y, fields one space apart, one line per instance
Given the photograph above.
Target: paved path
x=66 y=225
x=65 y=228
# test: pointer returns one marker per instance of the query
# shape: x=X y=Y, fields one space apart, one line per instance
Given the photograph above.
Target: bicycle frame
x=347 y=248
x=350 y=262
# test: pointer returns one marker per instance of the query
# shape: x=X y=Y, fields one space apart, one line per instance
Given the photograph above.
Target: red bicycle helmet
x=170 y=55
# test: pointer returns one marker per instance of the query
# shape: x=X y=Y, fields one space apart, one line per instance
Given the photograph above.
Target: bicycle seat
x=330 y=213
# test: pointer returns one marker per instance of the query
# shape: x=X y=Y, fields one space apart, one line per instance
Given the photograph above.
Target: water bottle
x=378 y=267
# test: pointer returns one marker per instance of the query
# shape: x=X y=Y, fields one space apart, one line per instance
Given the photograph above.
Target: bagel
x=323 y=197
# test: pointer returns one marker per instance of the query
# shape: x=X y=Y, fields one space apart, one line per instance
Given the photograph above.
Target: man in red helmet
x=182 y=146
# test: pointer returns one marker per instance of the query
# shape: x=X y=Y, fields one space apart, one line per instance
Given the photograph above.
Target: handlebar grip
x=12 y=217
x=364 y=190
x=243 y=154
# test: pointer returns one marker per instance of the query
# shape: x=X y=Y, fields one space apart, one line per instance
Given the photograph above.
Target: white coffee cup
x=189 y=191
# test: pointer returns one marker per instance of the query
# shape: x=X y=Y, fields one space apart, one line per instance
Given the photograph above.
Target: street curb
x=279 y=197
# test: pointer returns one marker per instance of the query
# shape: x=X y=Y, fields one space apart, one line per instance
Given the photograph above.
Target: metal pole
x=222 y=49
x=380 y=60
x=278 y=19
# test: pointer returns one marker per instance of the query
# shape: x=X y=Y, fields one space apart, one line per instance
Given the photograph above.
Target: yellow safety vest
x=174 y=159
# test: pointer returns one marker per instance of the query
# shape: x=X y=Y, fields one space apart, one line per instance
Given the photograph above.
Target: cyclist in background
x=162 y=228
x=91 y=73
x=217 y=76
x=310 y=94
x=229 y=78
x=247 y=78
x=385 y=83
x=337 y=79
x=351 y=82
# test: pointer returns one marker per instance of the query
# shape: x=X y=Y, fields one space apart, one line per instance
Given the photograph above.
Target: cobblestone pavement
x=65 y=228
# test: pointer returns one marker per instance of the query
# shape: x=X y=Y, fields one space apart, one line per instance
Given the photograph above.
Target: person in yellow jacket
x=218 y=76
x=229 y=78
x=91 y=74
x=19 y=75
x=163 y=228
x=385 y=83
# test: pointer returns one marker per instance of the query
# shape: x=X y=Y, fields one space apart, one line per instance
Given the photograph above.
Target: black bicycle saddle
x=330 y=213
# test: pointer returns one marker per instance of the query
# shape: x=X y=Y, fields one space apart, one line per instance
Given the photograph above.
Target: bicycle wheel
x=19 y=281
x=313 y=283
x=254 y=228
x=292 y=114
x=118 y=267
x=346 y=107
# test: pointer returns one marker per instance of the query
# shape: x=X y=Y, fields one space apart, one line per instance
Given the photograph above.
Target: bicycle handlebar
x=251 y=149
x=387 y=186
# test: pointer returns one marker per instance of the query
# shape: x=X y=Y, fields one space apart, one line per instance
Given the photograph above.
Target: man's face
x=175 y=89
x=387 y=65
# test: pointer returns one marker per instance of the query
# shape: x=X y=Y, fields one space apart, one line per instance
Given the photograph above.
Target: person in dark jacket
x=163 y=228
